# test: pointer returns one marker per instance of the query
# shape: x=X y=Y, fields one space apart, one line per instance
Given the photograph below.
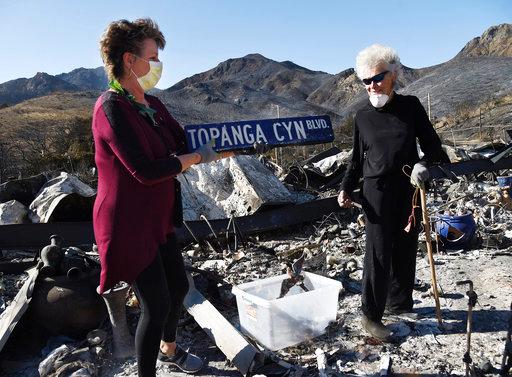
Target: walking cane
x=426 y=226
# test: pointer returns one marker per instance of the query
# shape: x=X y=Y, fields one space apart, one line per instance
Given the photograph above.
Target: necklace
x=143 y=110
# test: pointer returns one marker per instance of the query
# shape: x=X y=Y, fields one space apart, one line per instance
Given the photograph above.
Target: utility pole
x=428 y=106
x=480 y=122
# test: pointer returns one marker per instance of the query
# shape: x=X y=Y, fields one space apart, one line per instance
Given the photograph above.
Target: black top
x=385 y=140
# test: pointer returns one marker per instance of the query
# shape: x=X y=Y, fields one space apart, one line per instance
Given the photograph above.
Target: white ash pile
x=45 y=198
x=237 y=186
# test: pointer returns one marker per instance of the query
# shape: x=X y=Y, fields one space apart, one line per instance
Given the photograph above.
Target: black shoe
x=187 y=362
x=402 y=313
x=376 y=329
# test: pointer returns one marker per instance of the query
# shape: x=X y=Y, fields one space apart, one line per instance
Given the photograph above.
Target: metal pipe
x=123 y=342
x=472 y=299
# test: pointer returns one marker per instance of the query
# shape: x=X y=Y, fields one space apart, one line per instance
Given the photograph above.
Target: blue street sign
x=240 y=135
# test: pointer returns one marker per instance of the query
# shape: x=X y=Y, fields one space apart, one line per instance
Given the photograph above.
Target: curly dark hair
x=126 y=36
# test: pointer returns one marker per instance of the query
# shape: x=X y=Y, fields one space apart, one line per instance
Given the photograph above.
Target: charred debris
x=53 y=323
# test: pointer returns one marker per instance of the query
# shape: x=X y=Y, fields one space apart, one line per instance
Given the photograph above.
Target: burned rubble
x=479 y=251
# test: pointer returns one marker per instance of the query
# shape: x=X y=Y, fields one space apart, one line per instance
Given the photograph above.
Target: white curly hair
x=374 y=56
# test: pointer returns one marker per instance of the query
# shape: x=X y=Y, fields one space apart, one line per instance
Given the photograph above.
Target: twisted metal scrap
x=294 y=271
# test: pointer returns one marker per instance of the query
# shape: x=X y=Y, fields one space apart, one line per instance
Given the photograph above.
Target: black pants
x=160 y=289
x=390 y=258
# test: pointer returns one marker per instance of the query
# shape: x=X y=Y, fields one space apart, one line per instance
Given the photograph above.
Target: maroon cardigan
x=134 y=208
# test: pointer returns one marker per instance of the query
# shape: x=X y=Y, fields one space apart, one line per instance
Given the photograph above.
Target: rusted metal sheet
x=17 y=267
x=22 y=236
x=26 y=236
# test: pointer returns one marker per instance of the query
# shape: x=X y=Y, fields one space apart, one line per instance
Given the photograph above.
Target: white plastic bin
x=298 y=316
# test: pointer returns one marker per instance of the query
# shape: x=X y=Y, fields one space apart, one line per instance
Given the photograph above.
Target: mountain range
x=254 y=87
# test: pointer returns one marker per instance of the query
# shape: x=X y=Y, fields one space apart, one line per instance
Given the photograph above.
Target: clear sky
x=56 y=36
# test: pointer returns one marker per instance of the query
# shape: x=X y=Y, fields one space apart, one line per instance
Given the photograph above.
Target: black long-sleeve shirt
x=385 y=140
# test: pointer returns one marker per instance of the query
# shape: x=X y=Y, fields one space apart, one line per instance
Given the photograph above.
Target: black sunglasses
x=376 y=78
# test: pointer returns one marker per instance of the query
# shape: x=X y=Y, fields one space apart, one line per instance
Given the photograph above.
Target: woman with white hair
x=385 y=133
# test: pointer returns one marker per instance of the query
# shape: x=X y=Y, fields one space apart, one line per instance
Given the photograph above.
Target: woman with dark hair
x=139 y=150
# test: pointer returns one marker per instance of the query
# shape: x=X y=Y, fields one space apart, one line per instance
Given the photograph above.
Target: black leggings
x=160 y=289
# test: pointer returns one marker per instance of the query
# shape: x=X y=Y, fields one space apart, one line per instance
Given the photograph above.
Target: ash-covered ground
x=334 y=248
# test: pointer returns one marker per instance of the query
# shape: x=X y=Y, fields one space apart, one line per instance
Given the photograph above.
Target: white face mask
x=150 y=79
x=378 y=99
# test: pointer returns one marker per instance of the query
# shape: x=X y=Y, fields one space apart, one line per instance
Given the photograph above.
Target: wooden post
x=426 y=226
x=428 y=106
x=480 y=123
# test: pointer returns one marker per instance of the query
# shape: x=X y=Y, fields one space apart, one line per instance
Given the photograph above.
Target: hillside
x=464 y=82
x=244 y=88
x=495 y=41
x=55 y=110
x=471 y=90
x=46 y=132
x=253 y=86
x=19 y=90
x=80 y=79
x=86 y=79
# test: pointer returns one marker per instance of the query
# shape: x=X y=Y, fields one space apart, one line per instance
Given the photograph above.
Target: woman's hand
x=344 y=200
x=189 y=159
x=208 y=154
x=194 y=158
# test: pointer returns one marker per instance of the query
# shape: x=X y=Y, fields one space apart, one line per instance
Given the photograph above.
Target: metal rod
x=190 y=231
x=472 y=298
x=506 y=360
x=468 y=340
x=203 y=217
x=444 y=205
